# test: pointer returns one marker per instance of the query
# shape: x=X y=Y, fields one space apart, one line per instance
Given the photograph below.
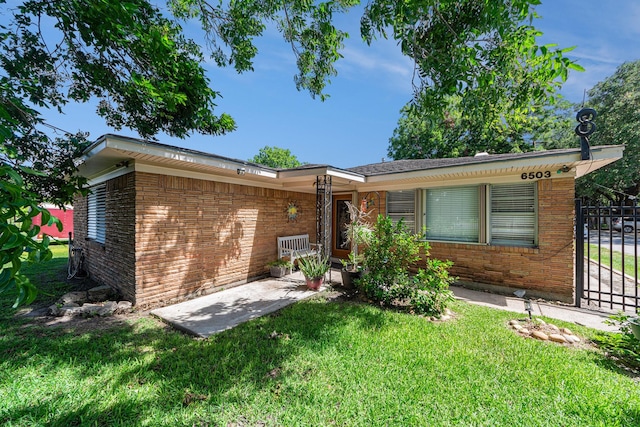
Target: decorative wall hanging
x=292 y=212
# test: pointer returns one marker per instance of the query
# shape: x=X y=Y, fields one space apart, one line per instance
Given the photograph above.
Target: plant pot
x=634 y=324
x=279 y=271
x=315 y=283
x=349 y=276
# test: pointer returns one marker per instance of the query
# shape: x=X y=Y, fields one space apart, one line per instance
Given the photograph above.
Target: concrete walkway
x=579 y=316
x=216 y=312
x=210 y=314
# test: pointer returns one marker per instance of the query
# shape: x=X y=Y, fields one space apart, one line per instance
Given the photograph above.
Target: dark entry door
x=339 y=246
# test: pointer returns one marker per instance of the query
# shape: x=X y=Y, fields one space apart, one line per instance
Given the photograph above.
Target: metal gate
x=607 y=249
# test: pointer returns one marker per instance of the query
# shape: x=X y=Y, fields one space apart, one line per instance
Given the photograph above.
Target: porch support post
x=323 y=215
x=579 y=253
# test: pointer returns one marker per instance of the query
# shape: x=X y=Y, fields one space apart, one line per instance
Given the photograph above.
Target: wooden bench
x=295 y=247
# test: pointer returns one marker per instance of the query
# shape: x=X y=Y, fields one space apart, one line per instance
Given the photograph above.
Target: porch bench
x=295 y=247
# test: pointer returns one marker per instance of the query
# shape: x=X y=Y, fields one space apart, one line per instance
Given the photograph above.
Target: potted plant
x=357 y=234
x=313 y=269
x=280 y=267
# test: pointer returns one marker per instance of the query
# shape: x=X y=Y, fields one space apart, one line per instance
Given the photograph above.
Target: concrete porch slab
x=219 y=311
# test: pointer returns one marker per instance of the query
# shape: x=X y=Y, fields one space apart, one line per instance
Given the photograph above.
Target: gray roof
x=409 y=165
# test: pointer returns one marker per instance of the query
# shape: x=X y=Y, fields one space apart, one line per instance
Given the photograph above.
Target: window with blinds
x=513 y=217
x=402 y=205
x=452 y=214
x=96 y=207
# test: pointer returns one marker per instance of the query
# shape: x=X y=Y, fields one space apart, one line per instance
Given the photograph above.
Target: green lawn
x=614 y=258
x=316 y=363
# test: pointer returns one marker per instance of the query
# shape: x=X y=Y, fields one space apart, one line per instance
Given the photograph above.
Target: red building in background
x=65 y=217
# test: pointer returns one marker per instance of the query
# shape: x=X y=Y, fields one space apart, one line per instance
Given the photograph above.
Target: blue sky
x=354 y=125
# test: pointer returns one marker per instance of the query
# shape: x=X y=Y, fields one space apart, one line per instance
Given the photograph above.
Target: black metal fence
x=607 y=247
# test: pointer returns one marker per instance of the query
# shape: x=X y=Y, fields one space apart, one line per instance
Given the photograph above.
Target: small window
x=402 y=205
x=513 y=214
x=452 y=214
x=96 y=206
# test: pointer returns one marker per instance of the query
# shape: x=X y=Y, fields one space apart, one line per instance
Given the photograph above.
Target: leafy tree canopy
x=426 y=134
x=275 y=157
x=146 y=75
x=616 y=99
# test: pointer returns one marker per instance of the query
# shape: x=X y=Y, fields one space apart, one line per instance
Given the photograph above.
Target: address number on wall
x=536 y=175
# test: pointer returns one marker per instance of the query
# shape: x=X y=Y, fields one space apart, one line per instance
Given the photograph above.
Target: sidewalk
x=579 y=316
x=210 y=314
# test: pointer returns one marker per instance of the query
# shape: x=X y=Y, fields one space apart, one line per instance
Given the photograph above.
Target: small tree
x=276 y=157
x=392 y=251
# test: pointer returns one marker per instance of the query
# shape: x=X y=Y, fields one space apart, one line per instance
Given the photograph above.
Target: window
x=402 y=205
x=96 y=223
x=452 y=213
x=513 y=216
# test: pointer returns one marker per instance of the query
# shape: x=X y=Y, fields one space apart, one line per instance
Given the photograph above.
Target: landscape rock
x=540 y=335
x=445 y=318
x=553 y=327
x=572 y=338
x=99 y=293
x=566 y=331
x=513 y=322
x=73 y=297
x=525 y=331
x=124 y=306
x=517 y=327
x=60 y=310
x=557 y=338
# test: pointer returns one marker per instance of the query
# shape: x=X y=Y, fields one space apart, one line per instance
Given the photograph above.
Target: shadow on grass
x=97 y=365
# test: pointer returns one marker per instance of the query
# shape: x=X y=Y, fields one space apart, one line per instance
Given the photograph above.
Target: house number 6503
x=536 y=175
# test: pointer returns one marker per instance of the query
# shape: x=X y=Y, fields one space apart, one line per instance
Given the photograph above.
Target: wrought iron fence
x=607 y=246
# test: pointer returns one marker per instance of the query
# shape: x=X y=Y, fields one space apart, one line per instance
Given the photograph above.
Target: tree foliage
x=616 y=99
x=482 y=79
x=276 y=157
x=144 y=73
x=426 y=134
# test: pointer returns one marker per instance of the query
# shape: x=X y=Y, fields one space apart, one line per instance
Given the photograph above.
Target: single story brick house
x=163 y=223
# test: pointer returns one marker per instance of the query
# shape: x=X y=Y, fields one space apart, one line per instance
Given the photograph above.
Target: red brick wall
x=546 y=271
x=111 y=263
x=195 y=235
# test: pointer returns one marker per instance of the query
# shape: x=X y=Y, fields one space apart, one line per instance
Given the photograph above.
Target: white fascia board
x=110 y=173
x=91 y=151
x=320 y=171
x=503 y=167
x=177 y=154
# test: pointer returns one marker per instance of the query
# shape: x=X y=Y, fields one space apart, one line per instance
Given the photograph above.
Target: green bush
x=623 y=346
x=393 y=250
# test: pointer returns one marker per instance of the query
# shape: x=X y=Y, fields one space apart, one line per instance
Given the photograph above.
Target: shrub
x=623 y=346
x=392 y=251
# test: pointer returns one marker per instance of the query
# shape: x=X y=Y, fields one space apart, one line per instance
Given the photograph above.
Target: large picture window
x=452 y=213
x=96 y=206
x=495 y=214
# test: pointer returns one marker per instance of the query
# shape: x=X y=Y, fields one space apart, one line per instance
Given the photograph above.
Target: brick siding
x=546 y=271
x=195 y=235
x=111 y=263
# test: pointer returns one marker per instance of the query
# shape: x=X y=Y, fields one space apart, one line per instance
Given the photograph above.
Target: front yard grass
x=315 y=363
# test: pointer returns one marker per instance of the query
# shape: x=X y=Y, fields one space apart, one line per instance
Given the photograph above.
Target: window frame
x=96 y=213
x=484 y=214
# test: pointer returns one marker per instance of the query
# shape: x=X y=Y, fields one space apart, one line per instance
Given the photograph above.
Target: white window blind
x=513 y=214
x=452 y=214
x=96 y=207
x=402 y=204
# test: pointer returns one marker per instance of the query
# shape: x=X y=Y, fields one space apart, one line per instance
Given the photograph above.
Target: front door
x=339 y=246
